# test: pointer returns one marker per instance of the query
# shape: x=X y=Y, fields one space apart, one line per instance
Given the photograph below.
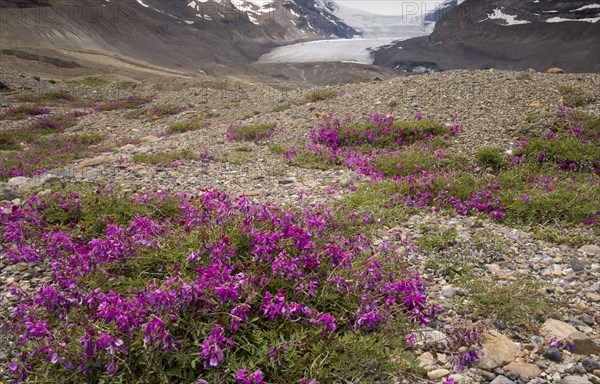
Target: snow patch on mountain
x=562 y=19
x=583 y=8
x=509 y=19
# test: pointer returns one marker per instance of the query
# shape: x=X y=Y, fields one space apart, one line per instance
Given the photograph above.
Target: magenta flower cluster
x=250 y=261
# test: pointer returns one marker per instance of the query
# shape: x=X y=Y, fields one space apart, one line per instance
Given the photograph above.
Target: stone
x=17 y=181
x=127 y=146
x=95 y=161
x=250 y=193
x=594 y=379
x=590 y=249
x=149 y=139
x=489 y=376
x=437 y=374
x=527 y=369
x=500 y=324
x=579 y=265
x=502 y=380
x=458 y=378
x=535 y=104
x=575 y=380
x=589 y=320
x=590 y=365
x=583 y=344
x=7 y=192
x=428 y=335
x=592 y=296
x=448 y=292
x=511 y=375
x=553 y=354
x=555 y=70
x=426 y=361
x=496 y=350
x=556 y=328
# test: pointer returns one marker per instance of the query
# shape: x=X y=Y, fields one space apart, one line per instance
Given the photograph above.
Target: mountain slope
x=508 y=34
x=179 y=34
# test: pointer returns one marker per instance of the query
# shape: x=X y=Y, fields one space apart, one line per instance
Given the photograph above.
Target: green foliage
x=235 y=157
x=491 y=157
x=524 y=76
x=536 y=194
x=11 y=138
x=90 y=81
x=51 y=96
x=321 y=94
x=569 y=149
x=165 y=158
x=250 y=132
x=376 y=202
x=437 y=238
x=184 y=127
x=409 y=161
x=402 y=132
x=575 y=97
x=315 y=160
x=518 y=301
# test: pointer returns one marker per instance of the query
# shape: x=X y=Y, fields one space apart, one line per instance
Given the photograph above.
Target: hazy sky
x=391 y=7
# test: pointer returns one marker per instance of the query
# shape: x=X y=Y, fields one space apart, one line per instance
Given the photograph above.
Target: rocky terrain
x=526 y=34
x=495 y=107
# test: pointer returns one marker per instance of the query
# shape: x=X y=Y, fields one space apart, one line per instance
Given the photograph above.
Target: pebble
x=576 y=380
x=569 y=274
x=437 y=374
x=502 y=380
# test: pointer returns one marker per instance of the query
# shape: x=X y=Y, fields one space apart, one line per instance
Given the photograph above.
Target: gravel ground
x=491 y=104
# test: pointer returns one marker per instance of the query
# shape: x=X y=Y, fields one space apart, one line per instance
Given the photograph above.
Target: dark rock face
x=476 y=34
x=439 y=13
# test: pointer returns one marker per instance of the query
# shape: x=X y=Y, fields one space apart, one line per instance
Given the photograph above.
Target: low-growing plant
x=518 y=301
x=321 y=94
x=90 y=81
x=208 y=289
x=130 y=102
x=436 y=238
x=250 y=132
x=167 y=110
x=42 y=154
x=524 y=76
x=491 y=157
x=185 y=127
x=235 y=157
x=24 y=111
x=165 y=158
x=575 y=97
x=50 y=96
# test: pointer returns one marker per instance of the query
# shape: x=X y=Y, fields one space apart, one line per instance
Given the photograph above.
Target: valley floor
x=477 y=267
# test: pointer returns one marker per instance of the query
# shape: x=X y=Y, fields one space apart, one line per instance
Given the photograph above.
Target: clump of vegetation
x=165 y=158
x=518 y=301
x=524 y=77
x=250 y=132
x=130 y=102
x=49 y=97
x=575 y=97
x=167 y=110
x=90 y=82
x=491 y=157
x=322 y=94
x=24 y=111
x=437 y=239
x=42 y=153
x=198 y=289
x=185 y=127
